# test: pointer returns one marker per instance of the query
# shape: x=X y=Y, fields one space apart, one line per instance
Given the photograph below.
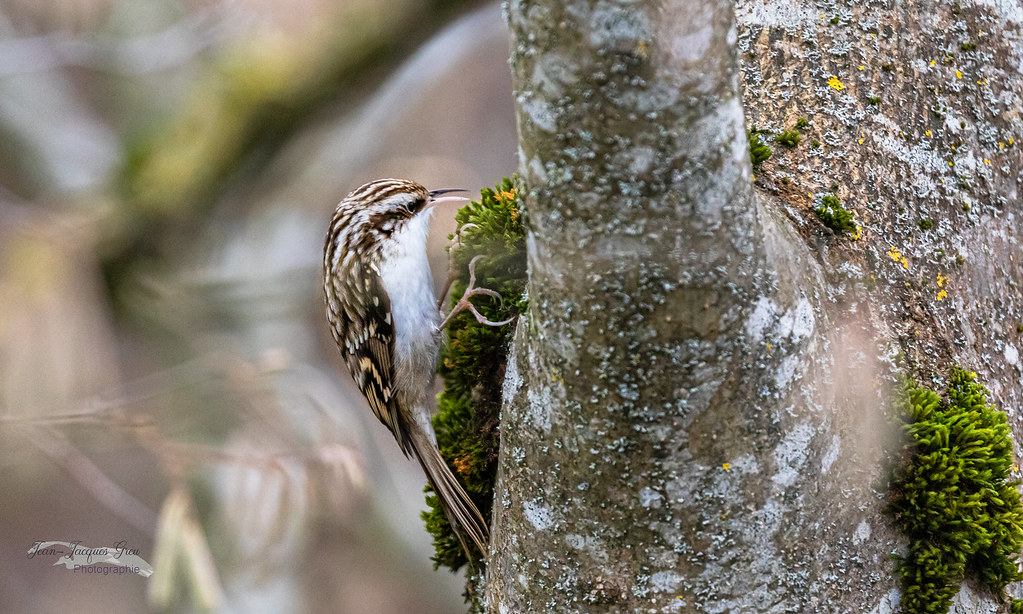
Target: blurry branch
x=171 y=48
x=336 y=457
x=276 y=467
x=62 y=145
x=359 y=139
x=111 y=409
x=251 y=101
x=181 y=547
x=121 y=503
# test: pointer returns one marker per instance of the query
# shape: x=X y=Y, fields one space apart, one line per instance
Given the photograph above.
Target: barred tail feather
x=458 y=506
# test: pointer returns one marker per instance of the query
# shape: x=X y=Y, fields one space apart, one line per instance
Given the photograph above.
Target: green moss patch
x=832 y=214
x=758 y=151
x=952 y=495
x=788 y=138
x=472 y=362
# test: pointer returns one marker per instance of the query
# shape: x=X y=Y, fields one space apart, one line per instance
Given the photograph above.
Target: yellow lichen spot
x=897 y=256
x=1001 y=145
x=941 y=280
x=856 y=235
x=986 y=161
x=768 y=347
x=822 y=15
x=982 y=82
x=643 y=49
x=835 y=83
x=933 y=62
x=1010 y=141
x=953 y=148
x=726 y=466
x=951 y=163
x=942 y=294
x=861 y=141
x=928 y=133
x=861 y=66
x=959 y=75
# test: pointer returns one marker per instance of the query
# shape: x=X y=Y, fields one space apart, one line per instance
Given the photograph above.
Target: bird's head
x=394 y=199
x=376 y=211
x=387 y=204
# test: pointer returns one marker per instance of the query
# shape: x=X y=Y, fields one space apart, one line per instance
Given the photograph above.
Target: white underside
x=405 y=271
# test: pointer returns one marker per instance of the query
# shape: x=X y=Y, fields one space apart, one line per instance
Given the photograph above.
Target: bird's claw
x=461 y=229
x=464 y=303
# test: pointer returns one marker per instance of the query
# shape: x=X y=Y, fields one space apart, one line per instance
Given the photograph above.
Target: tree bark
x=695 y=405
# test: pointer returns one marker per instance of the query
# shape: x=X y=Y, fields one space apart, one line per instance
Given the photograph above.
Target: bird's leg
x=471 y=291
x=452 y=276
x=452 y=273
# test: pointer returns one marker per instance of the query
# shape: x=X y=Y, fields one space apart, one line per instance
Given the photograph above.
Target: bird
x=386 y=322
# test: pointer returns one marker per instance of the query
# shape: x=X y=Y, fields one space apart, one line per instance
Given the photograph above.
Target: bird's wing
x=370 y=355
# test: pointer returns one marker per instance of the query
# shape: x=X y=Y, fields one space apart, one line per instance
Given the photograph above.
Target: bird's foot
x=465 y=304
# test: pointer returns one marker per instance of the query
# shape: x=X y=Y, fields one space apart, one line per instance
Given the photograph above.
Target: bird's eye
x=414 y=206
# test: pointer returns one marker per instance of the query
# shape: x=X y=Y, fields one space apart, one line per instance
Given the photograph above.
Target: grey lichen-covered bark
x=916 y=108
x=694 y=412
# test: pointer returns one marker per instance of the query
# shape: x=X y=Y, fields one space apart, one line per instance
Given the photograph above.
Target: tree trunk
x=695 y=405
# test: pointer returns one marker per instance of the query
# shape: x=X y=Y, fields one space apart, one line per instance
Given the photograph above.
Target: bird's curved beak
x=436 y=193
x=434 y=201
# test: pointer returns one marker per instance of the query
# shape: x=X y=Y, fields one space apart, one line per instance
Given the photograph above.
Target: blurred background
x=167 y=379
